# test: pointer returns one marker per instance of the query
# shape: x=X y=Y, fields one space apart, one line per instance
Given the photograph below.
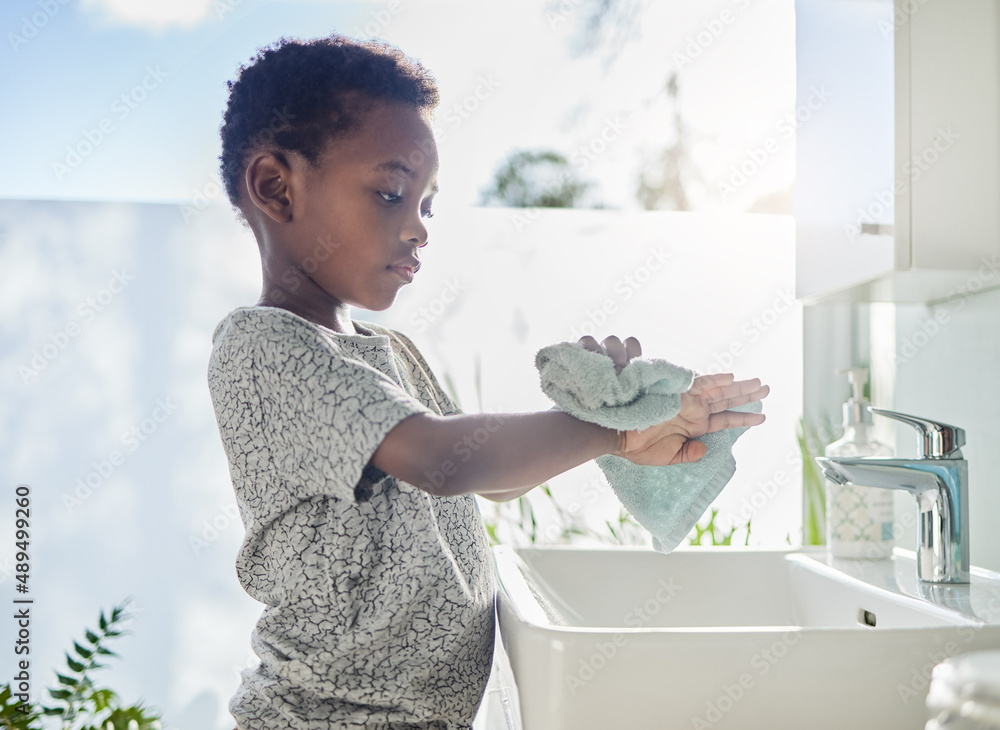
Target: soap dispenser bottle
x=859 y=519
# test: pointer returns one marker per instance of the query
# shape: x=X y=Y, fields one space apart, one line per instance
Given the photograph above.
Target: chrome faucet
x=938 y=478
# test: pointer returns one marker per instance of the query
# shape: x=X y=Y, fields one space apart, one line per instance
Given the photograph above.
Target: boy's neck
x=339 y=320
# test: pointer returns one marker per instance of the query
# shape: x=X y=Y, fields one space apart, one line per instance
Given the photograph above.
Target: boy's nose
x=415 y=232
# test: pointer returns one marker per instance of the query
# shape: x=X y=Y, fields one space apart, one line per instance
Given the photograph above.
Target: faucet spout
x=940 y=486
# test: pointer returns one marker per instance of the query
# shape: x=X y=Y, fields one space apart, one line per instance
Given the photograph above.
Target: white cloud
x=153 y=13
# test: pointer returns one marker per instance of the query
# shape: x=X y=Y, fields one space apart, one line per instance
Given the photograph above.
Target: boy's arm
x=502 y=453
x=499 y=455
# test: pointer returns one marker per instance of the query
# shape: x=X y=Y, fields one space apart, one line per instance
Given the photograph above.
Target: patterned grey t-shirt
x=378 y=596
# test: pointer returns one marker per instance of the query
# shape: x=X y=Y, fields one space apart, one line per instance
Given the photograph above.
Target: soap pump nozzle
x=856 y=407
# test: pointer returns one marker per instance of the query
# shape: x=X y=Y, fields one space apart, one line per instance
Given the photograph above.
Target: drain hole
x=866 y=617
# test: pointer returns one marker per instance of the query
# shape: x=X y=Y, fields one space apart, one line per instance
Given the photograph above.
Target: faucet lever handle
x=937 y=440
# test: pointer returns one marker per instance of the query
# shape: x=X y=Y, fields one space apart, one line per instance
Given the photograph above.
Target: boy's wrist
x=620 y=443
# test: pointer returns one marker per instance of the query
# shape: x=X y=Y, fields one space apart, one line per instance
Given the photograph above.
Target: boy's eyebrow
x=398 y=166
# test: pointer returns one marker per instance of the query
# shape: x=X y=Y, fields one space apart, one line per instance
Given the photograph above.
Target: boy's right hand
x=703 y=410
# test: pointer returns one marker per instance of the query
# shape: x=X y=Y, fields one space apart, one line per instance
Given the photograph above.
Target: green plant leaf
x=814 y=493
x=103 y=699
x=15 y=715
x=85 y=653
x=70 y=681
x=75 y=665
x=611 y=528
x=491 y=533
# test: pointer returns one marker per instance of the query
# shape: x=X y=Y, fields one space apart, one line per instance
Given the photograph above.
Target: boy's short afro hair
x=296 y=95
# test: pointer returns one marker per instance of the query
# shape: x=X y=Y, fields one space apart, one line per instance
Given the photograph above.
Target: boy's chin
x=377 y=306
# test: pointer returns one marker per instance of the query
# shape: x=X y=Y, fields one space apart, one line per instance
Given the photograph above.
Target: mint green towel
x=666 y=500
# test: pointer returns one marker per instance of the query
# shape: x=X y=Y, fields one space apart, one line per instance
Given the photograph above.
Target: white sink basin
x=729 y=637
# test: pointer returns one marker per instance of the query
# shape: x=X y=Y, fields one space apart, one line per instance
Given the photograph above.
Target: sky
x=122 y=100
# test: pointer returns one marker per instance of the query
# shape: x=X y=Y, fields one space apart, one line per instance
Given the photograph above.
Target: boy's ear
x=268 y=182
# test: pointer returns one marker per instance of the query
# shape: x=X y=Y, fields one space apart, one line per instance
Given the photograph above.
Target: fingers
x=616 y=351
x=725 y=403
x=719 y=388
x=591 y=344
x=620 y=353
x=733 y=419
x=691 y=451
x=707 y=382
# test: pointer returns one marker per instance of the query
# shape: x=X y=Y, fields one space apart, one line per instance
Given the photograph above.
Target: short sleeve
x=421 y=371
x=324 y=413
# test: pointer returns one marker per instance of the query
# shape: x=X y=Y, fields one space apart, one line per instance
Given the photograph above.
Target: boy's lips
x=406 y=268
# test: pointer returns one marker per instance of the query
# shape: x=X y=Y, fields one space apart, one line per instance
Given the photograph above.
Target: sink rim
x=512 y=575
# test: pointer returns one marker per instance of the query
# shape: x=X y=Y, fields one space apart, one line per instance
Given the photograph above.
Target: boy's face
x=360 y=214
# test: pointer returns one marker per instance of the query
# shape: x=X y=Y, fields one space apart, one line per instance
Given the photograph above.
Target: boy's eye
x=390 y=197
x=427 y=213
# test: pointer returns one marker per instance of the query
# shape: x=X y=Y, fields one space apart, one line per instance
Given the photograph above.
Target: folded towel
x=666 y=500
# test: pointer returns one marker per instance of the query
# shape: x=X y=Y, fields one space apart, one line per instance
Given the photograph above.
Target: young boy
x=377 y=581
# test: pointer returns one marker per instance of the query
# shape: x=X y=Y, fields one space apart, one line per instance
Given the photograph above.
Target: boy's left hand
x=704 y=409
x=614 y=348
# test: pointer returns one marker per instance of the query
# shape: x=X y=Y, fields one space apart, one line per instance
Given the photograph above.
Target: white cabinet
x=897 y=194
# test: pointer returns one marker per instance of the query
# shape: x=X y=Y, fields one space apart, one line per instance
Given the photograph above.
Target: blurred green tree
x=535 y=179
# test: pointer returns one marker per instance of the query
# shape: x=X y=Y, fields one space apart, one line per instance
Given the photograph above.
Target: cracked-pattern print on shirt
x=378 y=596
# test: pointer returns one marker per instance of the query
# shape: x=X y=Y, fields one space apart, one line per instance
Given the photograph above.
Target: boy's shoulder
x=271 y=329
x=260 y=325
